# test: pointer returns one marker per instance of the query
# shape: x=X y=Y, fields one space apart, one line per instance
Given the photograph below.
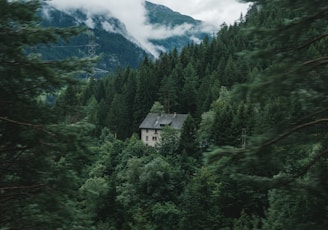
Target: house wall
x=150 y=136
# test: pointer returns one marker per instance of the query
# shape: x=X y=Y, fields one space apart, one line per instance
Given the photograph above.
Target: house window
x=154 y=138
x=155 y=131
x=146 y=138
x=146 y=130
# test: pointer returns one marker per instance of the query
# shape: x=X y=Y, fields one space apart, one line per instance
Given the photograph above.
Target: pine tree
x=288 y=155
x=189 y=91
x=40 y=157
x=168 y=94
x=187 y=142
x=117 y=117
x=145 y=92
x=201 y=209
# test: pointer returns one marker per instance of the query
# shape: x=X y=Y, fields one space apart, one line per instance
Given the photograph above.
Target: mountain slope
x=164 y=15
x=110 y=38
x=194 y=33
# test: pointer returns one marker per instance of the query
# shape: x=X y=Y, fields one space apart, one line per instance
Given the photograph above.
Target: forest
x=252 y=154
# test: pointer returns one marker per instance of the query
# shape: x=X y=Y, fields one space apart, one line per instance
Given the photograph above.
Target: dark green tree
x=117 y=117
x=188 y=98
x=222 y=131
x=288 y=155
x=188 y=144
x=145 y=92
x=40 y=156
x=169 y=141
x=168 y=94
x=201 y=209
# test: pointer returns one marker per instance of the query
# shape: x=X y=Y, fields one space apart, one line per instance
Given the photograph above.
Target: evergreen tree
x=189 y=91
x=201 y=209
x=40 y=158
x=145 y=93
x=117 y=117
x=222 y=132
x=187 y=143
x=168 y=94
x=288 y=155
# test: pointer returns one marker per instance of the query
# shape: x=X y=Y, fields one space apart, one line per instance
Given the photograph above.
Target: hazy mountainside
x=162 y=15
x=110 y=38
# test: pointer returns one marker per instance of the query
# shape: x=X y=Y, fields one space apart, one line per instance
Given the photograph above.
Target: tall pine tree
x=39 y=156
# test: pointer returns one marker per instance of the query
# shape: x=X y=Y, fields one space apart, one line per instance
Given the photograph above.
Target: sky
x=133 y=14
x=214 y=12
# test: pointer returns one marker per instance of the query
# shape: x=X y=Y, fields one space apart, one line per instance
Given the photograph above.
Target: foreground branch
x=304 y=170
x=289 y=132
x=40 y=127
x=31 y=187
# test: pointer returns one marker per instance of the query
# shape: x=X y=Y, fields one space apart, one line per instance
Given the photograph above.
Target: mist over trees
x=252 y=153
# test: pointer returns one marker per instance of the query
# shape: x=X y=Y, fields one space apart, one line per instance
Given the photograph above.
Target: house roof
x=159 y=120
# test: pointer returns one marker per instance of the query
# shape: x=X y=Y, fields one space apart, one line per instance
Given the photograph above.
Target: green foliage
x=285 y=150
x=166 y=215
x=41 y=156
x=188 y=144
x=201 y=206
x=157 y=108
x=117 y=117
x=204 y=132
x=189 y=90
x=268 y=170
x=169 y=141
x=168 y=94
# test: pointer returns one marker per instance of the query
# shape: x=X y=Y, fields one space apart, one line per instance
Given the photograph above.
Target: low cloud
x=215 y=12
x=134 y=16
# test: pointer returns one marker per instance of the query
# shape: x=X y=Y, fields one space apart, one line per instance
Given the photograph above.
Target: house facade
x=152 y=125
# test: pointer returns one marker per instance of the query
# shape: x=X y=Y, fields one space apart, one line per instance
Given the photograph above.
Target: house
x=154 y=122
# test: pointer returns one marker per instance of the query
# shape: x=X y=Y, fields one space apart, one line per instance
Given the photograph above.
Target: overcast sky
x=212 y=11
x=132 y=13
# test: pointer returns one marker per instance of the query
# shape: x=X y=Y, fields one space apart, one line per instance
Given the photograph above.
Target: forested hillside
x=108 y=37
x=252 y=153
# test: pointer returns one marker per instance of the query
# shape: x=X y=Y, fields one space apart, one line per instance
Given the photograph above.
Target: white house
x=154 y=122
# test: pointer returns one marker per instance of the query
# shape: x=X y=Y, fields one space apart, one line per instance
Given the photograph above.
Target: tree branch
x=23 y=187
x=304 y=170
x=307 y=44
x=40 y=127
x=20 y=123
x=289 y=132
x=310 y=115
x=303 y=46
x=318 y=61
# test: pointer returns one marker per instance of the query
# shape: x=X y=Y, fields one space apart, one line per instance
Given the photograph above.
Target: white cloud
x=214 y=12
x=133 y=14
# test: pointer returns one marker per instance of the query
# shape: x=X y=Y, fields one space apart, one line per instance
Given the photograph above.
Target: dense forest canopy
x=252 y=153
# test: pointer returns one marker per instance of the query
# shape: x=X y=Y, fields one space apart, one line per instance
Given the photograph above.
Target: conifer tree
x=168 y=93
x=189 y=91
x=288 y=155
x=117 y=117
x=187 y=142
x=145 y=92
x=39 y=156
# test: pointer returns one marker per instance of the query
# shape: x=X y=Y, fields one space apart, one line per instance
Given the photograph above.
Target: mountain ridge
x=117 y=46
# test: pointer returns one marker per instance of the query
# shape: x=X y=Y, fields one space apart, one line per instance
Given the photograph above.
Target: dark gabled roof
x=159 y=120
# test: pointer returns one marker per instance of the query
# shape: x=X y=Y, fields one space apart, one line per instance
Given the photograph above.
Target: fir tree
x=40 y=157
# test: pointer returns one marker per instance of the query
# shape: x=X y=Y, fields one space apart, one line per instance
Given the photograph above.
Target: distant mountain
x=159 y=14
x=109 y=37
